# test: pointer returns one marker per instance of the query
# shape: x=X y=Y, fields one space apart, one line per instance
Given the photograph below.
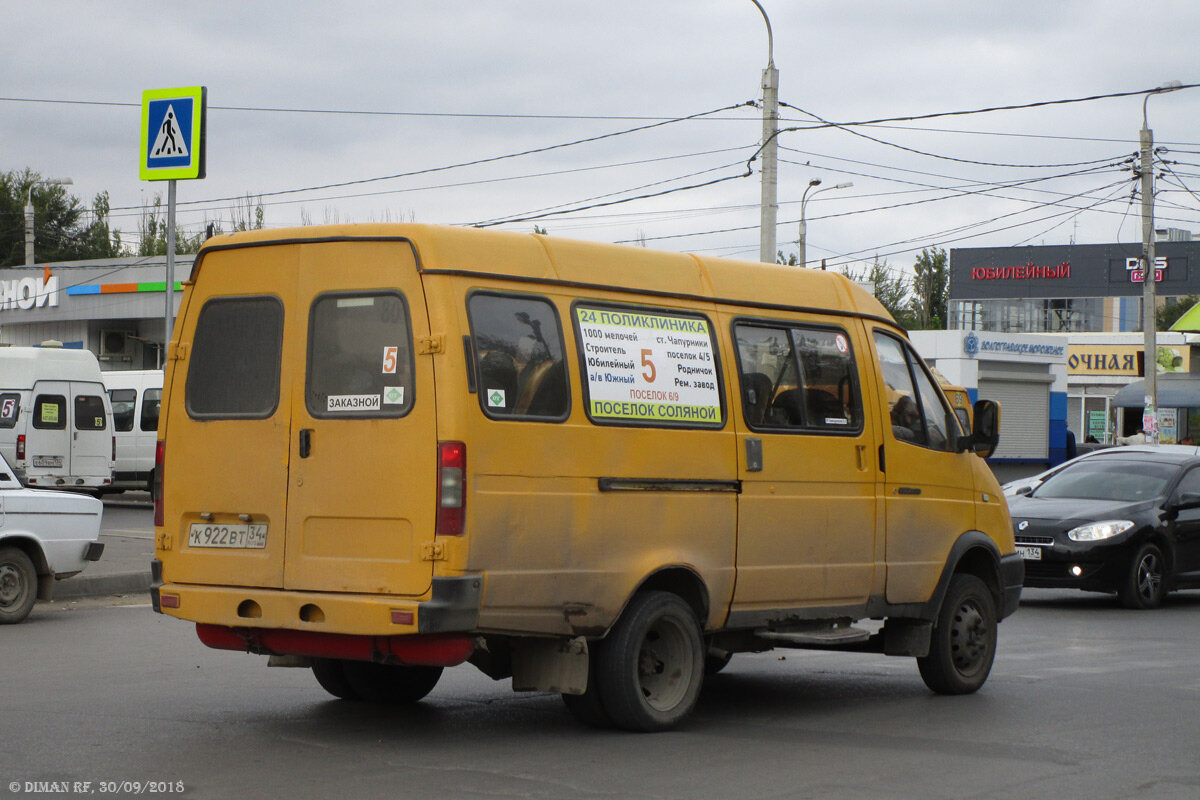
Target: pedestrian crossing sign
x=173 y=133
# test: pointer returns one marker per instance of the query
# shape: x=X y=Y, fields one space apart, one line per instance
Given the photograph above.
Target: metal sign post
x=174 y=128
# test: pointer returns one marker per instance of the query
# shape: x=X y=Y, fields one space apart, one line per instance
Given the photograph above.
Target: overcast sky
x=453 y=81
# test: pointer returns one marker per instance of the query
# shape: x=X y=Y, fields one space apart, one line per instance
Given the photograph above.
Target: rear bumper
x=452 y=605
x=1012 y=577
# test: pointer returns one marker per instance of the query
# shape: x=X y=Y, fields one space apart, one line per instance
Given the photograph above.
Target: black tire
x=963 y=645
x=714 y=664
x=651 y=666
x=588 y=707
x=387 y=683
x=328 y=672
x=1145 y=583
x=18 y=585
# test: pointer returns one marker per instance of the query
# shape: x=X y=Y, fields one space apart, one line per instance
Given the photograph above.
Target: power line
x=476 y=162
x=848 y=129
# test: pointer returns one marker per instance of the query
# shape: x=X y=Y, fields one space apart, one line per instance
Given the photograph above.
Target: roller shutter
x=1024 y=416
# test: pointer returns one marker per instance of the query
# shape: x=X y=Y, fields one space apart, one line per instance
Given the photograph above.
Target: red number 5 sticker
x=390 y=356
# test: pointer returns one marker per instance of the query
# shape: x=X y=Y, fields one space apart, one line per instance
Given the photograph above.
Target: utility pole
x=1149 y=271
x=769 y=205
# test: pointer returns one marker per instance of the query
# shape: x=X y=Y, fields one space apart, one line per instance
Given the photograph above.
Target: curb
x=101 y=585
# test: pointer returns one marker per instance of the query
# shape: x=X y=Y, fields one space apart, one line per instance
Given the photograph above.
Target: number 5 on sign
x=390 y=356
x=648 y=364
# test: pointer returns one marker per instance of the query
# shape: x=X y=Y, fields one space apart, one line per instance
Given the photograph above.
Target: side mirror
x=1185 y=500
x=985 y=430
x=1024 y=490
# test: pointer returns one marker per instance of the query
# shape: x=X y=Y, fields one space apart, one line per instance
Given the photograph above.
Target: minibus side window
x=122 y=401
x=10 y=409
x=50 y=412
x=798 y=377
x=234 y=363
x=151 y=400
x=918 y=413
x=517 y=341
x=89 y=413
x=360 y=357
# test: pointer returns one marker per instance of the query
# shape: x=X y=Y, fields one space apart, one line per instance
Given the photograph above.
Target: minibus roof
x=537 y=258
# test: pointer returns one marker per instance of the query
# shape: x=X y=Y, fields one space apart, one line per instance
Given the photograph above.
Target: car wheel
x=388 y=683
x=1145 y=582
x=18 y=585
x=328 y=672
x=652 y=664
x=964 y=639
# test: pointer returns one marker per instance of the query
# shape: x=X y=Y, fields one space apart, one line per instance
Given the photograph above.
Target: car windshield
x=1109 y=479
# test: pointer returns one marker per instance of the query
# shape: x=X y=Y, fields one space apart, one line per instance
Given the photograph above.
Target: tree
x=890 y=289
x=1170 y=312
x=929 y=289
x=63 y=230
x=248 y=215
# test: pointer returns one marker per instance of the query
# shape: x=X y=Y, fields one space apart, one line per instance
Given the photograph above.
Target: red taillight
x=452 y=488
x=160 y=455
x=114 y=458
x=21 y=447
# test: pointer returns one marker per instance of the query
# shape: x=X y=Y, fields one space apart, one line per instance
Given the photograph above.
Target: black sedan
x=1119 y=521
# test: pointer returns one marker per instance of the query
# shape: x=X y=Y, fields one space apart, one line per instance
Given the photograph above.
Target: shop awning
x=1174 y=391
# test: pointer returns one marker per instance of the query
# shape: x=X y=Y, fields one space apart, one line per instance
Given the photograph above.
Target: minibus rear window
x=10 y=409
x=360 y=358
x=233 y=366
x=123 y=401
x=89 y=413
x=50 y=412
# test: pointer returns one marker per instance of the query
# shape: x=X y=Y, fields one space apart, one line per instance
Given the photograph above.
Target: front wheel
x=964 y=639
x=18 y=585
x=1144 y=586
x=652 y=664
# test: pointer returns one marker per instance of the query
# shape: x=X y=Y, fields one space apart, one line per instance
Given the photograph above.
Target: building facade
x=1063 y=288
x=114 y=307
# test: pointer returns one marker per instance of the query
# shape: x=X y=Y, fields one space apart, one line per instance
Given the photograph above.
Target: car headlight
x=1095 y=531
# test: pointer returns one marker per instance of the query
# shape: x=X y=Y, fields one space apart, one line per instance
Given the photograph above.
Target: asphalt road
x=1086 y=700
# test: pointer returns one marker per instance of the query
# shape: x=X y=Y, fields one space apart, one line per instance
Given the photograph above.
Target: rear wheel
x=387 y=683
x=652 y=664
x=18 y=585
x=328 y=672
x=1145 y=582
x=964 y=639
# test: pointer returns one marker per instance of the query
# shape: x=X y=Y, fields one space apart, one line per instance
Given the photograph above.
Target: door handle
x=305 y=442
x=908 y=490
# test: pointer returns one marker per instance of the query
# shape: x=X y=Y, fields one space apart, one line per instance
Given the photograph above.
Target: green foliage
x=248 y=215
x=790 y=260
x=891 y=290
x=929 y=288
x=1170 y=312
x=63 y=230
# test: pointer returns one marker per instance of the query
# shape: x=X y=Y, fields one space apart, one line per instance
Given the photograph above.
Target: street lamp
x=1149 y=272
x=769 y=204
x=804 y=202
x=29 y=213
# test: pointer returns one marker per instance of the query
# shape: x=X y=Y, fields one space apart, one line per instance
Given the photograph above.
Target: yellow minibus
x=600 y=471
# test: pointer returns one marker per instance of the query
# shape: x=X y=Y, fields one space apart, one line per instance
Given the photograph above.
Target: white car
x=1026 y=485
x=44 y=536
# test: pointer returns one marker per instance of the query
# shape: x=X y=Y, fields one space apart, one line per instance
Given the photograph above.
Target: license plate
x=48 y=461
x=242 y=536
x=1030 y=553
